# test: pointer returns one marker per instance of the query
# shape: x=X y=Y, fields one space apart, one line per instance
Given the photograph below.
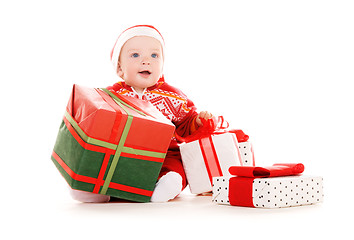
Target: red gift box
x=111 y=144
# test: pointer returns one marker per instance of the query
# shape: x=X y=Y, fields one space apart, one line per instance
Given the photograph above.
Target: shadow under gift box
x=111 y=144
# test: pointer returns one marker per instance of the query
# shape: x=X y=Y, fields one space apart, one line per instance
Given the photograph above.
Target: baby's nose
x=146 y=61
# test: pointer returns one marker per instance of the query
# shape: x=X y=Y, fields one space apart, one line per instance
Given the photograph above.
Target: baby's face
x=141 y=62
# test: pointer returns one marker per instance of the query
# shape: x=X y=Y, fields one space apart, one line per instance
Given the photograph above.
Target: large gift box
x=111 y=144
x=271 y=187
x=211 y=153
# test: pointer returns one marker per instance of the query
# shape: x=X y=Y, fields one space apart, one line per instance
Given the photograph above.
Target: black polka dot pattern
x=246 y=153
x=287 y=191
x=221 y=190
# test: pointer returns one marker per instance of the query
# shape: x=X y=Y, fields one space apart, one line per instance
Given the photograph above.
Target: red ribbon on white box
x=241 y=186
x=210 y=157
x=210 y=127
x=205 y=135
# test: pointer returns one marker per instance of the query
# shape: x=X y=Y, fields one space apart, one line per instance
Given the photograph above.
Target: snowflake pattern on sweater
x=170 y=101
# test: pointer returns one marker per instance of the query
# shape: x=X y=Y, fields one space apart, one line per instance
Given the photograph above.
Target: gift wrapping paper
x=210 y=157
x=111 y=144
x=275 y=192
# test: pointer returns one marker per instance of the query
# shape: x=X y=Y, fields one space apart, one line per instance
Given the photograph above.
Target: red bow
x=214 y=126
x=280 y=169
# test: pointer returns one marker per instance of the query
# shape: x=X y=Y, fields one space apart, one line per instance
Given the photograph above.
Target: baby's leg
x=172 y=179
x=88 y=197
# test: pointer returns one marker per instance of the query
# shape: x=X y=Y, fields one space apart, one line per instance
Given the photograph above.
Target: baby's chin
x=145 y=85
x=146 y=82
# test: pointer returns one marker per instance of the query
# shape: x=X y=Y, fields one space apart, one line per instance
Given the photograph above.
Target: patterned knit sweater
x=170 y=101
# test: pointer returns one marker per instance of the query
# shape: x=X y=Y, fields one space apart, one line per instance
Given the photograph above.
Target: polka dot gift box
x=272 y=187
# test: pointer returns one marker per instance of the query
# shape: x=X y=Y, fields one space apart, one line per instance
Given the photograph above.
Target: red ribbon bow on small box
x=277 y=170
x=240 y=186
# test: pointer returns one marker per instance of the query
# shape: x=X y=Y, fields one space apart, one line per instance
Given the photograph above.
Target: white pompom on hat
x=138 y=30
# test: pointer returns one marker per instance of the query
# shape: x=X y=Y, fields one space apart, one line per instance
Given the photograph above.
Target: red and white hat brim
x=139 y=30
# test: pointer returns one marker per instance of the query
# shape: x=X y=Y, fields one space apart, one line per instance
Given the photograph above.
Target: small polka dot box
x=270 y=192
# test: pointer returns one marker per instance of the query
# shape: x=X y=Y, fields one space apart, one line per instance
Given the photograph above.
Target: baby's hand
x=203 y=115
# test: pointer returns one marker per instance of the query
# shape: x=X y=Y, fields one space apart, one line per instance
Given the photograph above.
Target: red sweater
x=170 y=101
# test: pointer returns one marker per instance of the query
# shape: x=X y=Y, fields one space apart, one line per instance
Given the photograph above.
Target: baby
x=138 y=58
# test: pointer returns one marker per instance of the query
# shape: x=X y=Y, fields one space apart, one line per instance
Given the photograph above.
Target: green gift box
x=111 y=144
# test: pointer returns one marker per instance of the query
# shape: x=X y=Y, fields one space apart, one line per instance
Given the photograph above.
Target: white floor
x=188 y=216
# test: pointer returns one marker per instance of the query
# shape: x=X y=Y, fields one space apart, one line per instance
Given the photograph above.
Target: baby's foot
x=167 y=188
x=88 y=197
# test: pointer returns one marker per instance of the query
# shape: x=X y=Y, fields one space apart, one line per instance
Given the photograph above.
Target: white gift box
x=210 y=157
x=276 y=192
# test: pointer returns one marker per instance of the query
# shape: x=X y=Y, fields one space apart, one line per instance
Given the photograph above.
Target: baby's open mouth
x=147 y=73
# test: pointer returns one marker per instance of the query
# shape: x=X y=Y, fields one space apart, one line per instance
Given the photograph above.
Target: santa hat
x=138 y=30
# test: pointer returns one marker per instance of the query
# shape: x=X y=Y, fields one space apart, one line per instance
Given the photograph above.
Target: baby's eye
x=154 y=55
x=135 y=55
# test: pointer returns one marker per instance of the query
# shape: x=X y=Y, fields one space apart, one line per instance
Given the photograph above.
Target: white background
x=279 y=70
